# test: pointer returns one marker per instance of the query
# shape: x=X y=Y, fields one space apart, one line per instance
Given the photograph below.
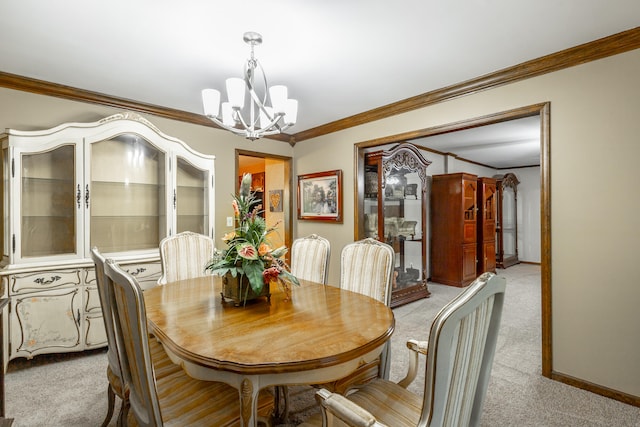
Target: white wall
x=528 y=210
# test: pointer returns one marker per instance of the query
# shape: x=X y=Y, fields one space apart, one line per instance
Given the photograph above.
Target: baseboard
x=597 y=389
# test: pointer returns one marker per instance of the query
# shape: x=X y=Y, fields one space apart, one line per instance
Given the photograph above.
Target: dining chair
x=310 y=258
x=184 y=256
x=309 y=261
x=366 y=267
x=174 y=399
x=116 y=387
x=459 y=355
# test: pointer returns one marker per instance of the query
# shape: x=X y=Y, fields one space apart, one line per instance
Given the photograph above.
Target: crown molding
x=598 y=49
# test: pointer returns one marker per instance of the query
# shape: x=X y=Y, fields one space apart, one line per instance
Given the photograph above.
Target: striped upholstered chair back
x=462 y=343
x=132 y=335
x=459 y=355
x=160 y=392
x=366 y=267
x=310 y=258
x=184 y=256
x=114 y=372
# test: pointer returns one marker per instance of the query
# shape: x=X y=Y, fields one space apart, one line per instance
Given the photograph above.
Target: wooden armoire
x=454 y=228
x=487 y=203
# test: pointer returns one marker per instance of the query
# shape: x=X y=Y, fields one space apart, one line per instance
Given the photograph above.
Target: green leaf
x=280 y=252
x=253 y=271
x=290 y=277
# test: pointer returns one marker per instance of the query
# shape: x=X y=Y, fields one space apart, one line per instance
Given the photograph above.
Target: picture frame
x=320 y=196
x=275 y=200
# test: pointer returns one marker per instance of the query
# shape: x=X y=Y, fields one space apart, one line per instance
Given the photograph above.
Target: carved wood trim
x=598 y=49
x=597 y=389
x=608 y=46
x=246 y=399
x=41 y=87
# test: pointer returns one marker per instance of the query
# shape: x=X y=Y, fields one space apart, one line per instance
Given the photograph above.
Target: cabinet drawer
x=43 y=280
x=147 y=274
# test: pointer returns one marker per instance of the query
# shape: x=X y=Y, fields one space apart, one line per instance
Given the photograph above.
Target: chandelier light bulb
x=211 y=102
x=235 y=92
x=291 y=112
x=278 y=98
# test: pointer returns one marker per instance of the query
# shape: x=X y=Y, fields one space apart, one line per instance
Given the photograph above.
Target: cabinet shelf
x=35 y=180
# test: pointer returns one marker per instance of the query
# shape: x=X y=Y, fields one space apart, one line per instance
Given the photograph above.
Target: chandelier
x=259 y=118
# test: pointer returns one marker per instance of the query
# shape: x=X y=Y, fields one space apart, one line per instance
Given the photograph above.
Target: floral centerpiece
x=249 y=253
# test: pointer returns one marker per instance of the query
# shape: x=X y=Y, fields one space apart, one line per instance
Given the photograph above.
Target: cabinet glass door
x=192 y=204
x=509 y=222
x=128 y=194
x=48 y=202
x=370 y=202
x=403 y=213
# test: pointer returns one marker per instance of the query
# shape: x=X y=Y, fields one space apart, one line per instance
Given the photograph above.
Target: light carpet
x=71 y=389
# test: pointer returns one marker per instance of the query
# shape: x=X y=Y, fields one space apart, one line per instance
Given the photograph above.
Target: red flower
x=270 y=274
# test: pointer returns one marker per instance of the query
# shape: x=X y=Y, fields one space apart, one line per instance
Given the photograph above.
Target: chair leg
x=124 y=413
x=281 y=407
x=111 y=396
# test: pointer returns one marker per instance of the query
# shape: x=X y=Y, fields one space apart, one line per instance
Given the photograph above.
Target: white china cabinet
x=119 y=184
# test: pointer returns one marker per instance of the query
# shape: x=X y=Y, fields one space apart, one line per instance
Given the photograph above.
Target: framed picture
x=275 y=200
x=320 y=196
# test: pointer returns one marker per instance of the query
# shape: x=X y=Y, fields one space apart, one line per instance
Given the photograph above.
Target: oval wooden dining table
x=319 y=335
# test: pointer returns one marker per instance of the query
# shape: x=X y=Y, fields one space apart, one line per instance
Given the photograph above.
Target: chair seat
x=389 y=403
x=162 y=365
x=188 y=402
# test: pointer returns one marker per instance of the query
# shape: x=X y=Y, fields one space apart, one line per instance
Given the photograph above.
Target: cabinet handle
x=78 y=196
x=86 y=196
x=174 y=198
x=78 y=316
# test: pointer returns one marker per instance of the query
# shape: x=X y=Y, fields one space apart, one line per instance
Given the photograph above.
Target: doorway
x=540 y=110
x=271 y=181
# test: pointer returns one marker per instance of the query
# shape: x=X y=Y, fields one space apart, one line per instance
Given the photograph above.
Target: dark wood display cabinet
x=395 y=189
x=507 y=220
x=487 y=201
x=454 y=228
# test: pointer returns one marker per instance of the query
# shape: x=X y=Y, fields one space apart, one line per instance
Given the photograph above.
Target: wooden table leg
x=248 y=403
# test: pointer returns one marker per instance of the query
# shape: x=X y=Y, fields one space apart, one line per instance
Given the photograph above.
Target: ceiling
x=504 y=145
x=338 y=58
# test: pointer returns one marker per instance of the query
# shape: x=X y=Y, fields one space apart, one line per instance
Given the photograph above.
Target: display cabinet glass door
x=403 y=225
x=395 y=213
x=192 y=201
x=128 y=194
x=49 y=199
x=507 y=221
